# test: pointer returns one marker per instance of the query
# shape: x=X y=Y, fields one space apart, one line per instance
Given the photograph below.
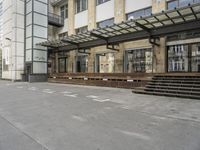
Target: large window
x=178 y=58
x=195 y=58
x=184 y=58
x=139 y=60
x=81 y=5
x=63 y=63
x=64 y=11
x=101 y=1
x=180 y=3
x=105 y=23
x=82 y=63
x=105 y=63
x=139 y=13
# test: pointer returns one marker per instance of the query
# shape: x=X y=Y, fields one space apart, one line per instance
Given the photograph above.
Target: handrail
x=55 y=19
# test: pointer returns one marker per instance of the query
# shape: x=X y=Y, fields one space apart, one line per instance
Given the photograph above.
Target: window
x=82 y=63
x=105 y=23
x=105 y=63
x=140 y=13
x=81 y=5
x=139 y=60
x=64 y=11
x=101 y=1
x=180 y=3
x=81 y=30
x=5 y=66
x=63 y=62
x=62 y=35
x=178 y=58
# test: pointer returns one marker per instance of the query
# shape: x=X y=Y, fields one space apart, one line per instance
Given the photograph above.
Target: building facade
x=176 y=52
x=27 y=23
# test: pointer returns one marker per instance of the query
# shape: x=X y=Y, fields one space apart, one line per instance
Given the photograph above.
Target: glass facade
x=184 y=58
x=139 y=60
x=178 y=58
x=195 y=58
x=139 y=13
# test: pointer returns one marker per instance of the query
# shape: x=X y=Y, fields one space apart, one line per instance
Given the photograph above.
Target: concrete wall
x=133 y=5
x=13 y=38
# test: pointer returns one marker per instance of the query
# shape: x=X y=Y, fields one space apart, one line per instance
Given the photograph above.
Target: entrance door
x=28 y=72
x=82 y=64
x=105 y=63
x=178 y=58
x=184 y=58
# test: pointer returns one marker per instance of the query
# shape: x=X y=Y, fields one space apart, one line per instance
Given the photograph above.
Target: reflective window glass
x=105 y=23
x=139 y=13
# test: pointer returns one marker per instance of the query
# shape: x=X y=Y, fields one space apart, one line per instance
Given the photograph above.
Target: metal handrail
x=55 y=18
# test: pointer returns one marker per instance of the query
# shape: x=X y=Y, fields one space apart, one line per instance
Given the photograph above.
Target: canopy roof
x=166 y=22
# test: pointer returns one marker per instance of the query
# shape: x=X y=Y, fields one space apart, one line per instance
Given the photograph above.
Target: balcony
x=55 y=20
x=57 y=2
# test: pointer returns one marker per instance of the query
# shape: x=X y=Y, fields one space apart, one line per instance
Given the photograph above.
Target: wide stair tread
x=140 y=91
x=175 y=86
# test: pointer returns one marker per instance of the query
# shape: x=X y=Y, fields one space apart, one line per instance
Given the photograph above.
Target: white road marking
x=136 y=135
x=92 y=96
x=79 y=118
x=48 y=91
x=71 y=95
x=66 y=92
x=101 y=100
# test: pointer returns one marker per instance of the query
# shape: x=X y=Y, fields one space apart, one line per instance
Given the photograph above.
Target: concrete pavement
x=43 y=116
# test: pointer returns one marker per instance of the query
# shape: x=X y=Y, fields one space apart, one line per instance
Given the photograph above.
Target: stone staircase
x=186 y=86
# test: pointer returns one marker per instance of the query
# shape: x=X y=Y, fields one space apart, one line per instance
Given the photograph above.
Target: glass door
x=139 y=60
x=178 y=58
x=195 y=58
x=82 y=64
x=105 y=63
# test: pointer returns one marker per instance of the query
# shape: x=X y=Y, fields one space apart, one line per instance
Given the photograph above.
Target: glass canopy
x=153 y=22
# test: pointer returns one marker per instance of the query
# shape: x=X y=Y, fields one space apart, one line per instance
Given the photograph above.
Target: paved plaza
x=44 y=116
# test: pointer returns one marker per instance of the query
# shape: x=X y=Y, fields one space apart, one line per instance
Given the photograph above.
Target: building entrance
x=184 y=58
x=82 y=63
x=139 y=60
x=105 y=63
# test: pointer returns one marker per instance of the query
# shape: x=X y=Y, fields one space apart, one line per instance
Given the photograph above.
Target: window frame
x=104 y=1
x=178 y=3
x=81 y=6
x=64 y=11
x=105 y=21
x=143 y=9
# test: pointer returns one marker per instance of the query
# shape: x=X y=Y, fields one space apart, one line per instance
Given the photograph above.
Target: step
x=173 y=91
x=174 y=87
x=166 y=94
x=174 y=84
x=170 y=78
x=176 y=81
